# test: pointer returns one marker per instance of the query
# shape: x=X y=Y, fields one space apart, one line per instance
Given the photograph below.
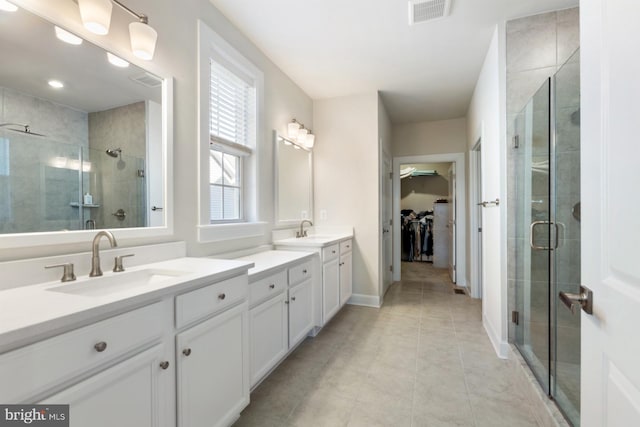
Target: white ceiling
x=335 y=48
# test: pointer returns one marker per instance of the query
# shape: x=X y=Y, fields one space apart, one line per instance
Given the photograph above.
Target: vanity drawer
x=202 y=302
x=267 y=287
x=299 y=273
x=346 y=246
x=330 y=252
x=36 y=368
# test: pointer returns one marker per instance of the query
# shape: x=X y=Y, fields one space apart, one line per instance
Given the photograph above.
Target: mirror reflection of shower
x=22 y=128
x=114 y=152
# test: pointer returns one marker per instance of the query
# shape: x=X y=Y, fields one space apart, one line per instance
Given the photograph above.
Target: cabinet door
x=269 y=339
x=133 y=393
x=213 y=369
x=346 y=278
x=300 y=312
x=330 y=289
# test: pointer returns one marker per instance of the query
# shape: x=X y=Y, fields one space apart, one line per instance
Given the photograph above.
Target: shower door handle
x=532 y=228
x=584 y=299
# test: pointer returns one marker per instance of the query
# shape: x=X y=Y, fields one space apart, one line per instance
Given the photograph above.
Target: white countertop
x=267 y=261
x=31 y=313
x=314 y=240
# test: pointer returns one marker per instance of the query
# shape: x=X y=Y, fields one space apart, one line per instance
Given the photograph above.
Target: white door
x=387 y=215
x=330 y=289
x=213 y=370
x=451 y=224
x=610 y=86
x=476 y=291
x=269 y=335
x=346 y=277
x=129 y=394
x=300 y=312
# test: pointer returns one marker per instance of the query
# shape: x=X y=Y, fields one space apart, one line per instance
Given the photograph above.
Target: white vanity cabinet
x=213 y=356
x=333 y=285
x=180 y=360
x=281 y=308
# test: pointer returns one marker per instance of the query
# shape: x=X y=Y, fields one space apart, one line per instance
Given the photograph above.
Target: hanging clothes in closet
x=417 y=236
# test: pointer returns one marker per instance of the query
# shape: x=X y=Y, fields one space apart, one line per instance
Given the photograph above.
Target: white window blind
x=232 y=111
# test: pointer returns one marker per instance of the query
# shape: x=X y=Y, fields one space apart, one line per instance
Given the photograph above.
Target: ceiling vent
x=147 y=79
x=427 y=10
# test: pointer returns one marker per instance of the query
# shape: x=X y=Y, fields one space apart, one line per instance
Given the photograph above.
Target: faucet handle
x=118 y=267
x=67 y=272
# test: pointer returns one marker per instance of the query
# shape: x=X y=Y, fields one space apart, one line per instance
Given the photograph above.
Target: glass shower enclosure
x=548 y=235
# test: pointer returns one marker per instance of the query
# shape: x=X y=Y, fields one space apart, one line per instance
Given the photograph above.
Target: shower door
x=547 y=165
x=533 y=233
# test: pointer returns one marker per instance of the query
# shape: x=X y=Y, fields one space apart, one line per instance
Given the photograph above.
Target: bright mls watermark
x=34 y=415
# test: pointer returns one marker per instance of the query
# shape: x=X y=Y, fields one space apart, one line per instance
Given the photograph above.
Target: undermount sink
x=117 y=282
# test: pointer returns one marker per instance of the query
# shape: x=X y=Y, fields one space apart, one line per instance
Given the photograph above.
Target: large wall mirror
x=84 y=136
x=294 y=182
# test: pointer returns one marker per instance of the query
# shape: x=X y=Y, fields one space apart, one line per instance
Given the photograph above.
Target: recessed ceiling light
x=117 y=61
x=67 y=37
x=7 y=7
x=56 y=84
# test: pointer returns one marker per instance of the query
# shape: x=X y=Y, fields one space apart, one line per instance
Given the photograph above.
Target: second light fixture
x=299 y=134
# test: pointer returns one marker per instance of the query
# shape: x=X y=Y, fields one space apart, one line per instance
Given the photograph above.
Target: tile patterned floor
x=423 y=359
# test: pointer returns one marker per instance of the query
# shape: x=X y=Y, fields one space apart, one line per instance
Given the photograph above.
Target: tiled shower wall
x=536 y=48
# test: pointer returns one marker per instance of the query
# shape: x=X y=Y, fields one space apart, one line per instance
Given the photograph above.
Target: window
x=232 y=119
x=230 y=111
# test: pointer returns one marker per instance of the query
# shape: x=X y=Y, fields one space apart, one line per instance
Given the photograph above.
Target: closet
x=425 y=213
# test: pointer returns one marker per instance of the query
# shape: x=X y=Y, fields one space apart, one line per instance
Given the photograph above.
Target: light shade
x=7 y=7
x=310 y=140
x=116 y=60
x=67 y=37
x=56 y=84
x=143 y=40
x=302 y=136
x=292 y=130
x=96 y=15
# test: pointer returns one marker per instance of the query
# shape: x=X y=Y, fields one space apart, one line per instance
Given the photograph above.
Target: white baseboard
x=364 y=300
x=501 y=347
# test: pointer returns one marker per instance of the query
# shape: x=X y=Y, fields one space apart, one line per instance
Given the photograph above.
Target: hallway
x=423 y=359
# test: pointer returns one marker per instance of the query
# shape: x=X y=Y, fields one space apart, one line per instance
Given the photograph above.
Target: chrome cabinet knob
x=304 y=271
x=293 y=298
x=222 y=296
x=165 y=364
x=186 y=352
x=272 y=286
x=100 y=347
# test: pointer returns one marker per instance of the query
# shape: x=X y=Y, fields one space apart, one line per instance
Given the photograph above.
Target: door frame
x=461 y=211
x=475 y=220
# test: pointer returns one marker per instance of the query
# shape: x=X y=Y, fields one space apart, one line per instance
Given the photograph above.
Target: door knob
x=584 y=299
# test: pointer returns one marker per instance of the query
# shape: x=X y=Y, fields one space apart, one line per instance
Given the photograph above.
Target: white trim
x=365 y=300
x=501 y=347
x=233 y=231
x=475 y=197
x=461 y=210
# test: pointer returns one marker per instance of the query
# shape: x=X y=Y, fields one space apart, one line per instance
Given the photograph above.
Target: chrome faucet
x=95 y=255
x=303 y=232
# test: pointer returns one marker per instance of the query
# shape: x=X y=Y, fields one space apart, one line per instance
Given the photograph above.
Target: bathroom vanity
x=160 y=344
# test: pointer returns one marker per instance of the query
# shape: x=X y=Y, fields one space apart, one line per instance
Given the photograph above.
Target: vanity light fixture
x=299 y=135
x=96 y=17
x=7 y=6
x=116 y=60
x=67 y=37
x=56 y=84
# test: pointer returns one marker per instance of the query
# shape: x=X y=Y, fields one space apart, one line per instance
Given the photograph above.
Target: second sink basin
x=117 y=282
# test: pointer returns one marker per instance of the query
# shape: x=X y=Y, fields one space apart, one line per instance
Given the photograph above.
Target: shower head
x=114 y=152
x=25 y=128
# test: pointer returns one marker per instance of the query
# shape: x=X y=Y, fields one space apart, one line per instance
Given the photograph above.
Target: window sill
x=233 y=231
